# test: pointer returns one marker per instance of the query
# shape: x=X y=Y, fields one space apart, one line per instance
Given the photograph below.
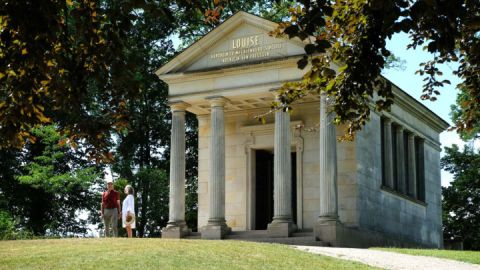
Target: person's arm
x=101 y=207
x=119 y=205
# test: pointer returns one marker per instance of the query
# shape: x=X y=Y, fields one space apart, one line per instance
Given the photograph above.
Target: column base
x=215 y=230
x=281 y=228
x=175 y=230
x=328 y=230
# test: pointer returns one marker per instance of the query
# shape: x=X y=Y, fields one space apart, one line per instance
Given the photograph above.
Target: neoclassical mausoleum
x=383 y=188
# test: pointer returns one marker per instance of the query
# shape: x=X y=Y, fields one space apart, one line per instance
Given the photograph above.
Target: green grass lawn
x=122 y=253
x=458 y=255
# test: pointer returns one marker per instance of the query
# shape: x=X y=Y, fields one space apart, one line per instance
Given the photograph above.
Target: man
x=110 y=209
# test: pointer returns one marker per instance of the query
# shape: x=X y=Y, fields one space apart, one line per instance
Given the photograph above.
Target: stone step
x=303 y=241
x=247 y=234
x=304 y=237
x=194 y=235
x=302 y=233
x=251 y=232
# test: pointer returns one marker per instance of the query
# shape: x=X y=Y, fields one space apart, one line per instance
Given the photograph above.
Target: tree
x=57 y=184
x=52 y=63
x=67 y=62
x=461 y=200
x=352 y=35
x=206 y=15
x=457 y=113
x=152 y=202
x=144 y=148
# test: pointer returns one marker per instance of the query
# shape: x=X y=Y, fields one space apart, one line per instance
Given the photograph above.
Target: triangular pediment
x=241 y=40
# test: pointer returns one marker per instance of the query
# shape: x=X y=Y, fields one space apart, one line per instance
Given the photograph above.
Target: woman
x=128 y=211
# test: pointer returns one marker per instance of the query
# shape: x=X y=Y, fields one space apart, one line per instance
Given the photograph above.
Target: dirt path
x=391 y=260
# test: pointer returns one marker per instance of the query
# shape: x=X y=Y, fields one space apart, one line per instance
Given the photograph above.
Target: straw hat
x=129 y=219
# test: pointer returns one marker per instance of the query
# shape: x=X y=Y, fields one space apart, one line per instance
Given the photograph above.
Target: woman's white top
x=128 y=205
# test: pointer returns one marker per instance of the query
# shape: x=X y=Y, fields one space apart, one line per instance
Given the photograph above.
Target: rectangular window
x=382 y=138
x=394 y=161
x=420 y=166
x=410 y=176
x=405 y=161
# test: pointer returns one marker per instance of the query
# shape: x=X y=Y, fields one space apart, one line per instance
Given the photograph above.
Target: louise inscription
x=245 y=42
x=247 y=48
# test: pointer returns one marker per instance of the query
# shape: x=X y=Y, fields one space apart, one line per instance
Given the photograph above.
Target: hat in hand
x=129 y=219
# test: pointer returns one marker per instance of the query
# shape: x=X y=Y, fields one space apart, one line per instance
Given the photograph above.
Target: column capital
x=217 y=101
x=411 y=136
x=328 y=100
x=275 y=92
x=387 y=121
x=176 y=106
x=399 y=128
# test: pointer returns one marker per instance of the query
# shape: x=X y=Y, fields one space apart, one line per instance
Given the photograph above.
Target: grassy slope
x=458 y=255
x=132 y=254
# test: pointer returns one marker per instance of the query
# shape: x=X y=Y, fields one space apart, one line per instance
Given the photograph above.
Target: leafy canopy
x=352 y=35
x=461 y=200
x=56 y=183
x=67 y=63
x=52 y=171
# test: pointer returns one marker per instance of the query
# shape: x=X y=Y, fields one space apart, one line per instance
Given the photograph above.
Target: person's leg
x=129 y=231
x=107 y=221
x=115 y=222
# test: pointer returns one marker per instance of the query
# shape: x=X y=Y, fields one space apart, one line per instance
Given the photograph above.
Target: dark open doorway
x=264 y=189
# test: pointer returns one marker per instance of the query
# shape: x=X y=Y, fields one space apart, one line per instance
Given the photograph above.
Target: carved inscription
x=247 y=48
x=245 y=42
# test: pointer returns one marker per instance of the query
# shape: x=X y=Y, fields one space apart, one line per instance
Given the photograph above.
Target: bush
x=7 y=226
x=8 y=230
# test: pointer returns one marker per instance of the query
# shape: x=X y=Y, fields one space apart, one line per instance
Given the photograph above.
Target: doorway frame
x=251 y=146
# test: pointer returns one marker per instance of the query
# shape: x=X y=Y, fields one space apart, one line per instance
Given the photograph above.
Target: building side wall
x=347 y=181
x=385 y=212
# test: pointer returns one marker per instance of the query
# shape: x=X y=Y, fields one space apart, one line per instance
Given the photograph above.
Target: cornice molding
x=417 y=109
x=230 y=70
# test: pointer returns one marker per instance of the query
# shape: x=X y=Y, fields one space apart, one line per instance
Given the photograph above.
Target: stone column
x=216 y=227
x=412 y=169
x=176 y=226
x=387 y=146
x=401 y=185
x=327 y=225
x=282 y=223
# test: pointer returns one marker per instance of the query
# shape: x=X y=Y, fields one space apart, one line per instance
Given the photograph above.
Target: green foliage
x=7 y=226
x=9 y=229
x=146 y=144
x=53 y=60
x=395 y=62
x=152 y=194
x=140 y=151
x=461 y=200
x=48 y=170
x=458 y=112
x=196 y=22
x=352 y=34
x=119 y=185
x=60 y=184
x=69 y=63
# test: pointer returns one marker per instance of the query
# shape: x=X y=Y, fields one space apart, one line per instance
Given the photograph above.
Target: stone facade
x=337 y=190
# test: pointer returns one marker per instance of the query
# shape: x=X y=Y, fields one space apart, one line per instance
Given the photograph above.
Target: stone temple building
x=281 y=177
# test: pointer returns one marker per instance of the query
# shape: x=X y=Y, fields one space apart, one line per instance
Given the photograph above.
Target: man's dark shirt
x=110 y=198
